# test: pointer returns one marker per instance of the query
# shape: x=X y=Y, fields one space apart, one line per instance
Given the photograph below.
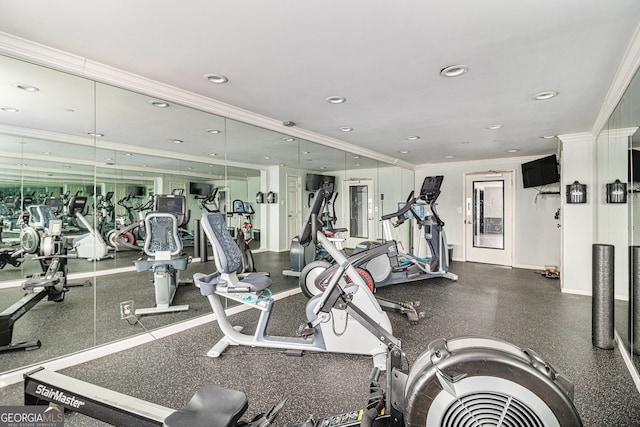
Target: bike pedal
x=304 y=331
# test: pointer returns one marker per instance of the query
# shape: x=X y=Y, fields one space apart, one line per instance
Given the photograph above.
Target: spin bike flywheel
x=477 y=381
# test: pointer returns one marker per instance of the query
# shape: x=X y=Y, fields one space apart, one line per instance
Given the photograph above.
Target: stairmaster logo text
x=31 y=416
x=59 y=396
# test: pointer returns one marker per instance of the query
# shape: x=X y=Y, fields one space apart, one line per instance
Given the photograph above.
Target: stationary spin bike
x=332 y=324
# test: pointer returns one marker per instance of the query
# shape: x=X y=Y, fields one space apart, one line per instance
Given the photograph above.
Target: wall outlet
x=126 y=309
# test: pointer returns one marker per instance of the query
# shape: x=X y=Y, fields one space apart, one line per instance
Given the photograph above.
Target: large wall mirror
x=112 y=151
x=619 y=223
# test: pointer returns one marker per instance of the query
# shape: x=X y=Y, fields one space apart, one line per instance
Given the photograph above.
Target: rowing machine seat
x=211 y=406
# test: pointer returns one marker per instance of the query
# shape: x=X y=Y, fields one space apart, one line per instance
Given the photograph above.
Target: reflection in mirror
x=137 y=148
x=42 y=111
x=616 y=146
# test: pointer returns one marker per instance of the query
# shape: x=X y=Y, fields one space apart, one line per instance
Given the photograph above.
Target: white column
x=577 y=163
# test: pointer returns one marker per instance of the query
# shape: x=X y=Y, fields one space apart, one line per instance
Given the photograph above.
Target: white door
x=489 y=216
x=294 y=206
x=358 y=203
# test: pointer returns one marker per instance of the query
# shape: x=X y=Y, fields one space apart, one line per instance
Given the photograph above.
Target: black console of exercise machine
x=51 y=284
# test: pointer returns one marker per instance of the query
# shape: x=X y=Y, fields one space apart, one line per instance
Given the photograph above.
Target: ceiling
x=284 y=58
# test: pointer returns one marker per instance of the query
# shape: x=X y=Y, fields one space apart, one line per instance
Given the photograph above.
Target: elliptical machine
x=382 y=262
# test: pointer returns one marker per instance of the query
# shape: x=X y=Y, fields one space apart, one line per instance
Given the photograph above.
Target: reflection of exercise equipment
x=209 y=202
x=244 y=234
x=164 y=245
x=210 y=406
x=332 y=325
x=51 y=284
x=126 y=238
x=382 y=261
x=299 y=255
x=90 y=245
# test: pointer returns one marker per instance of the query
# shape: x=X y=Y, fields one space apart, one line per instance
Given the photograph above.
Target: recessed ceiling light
x=9 y=109
x=21 y=164
x=97 y=135
x=545 y=95
x=267 y=157
x=336 y=99
x=216 y=78
x=448 y=156
x=403 y=151
x=28 y=88
x=177 y=141
x=494 y=127
x=159 y=104
x=144 y=166
x=213 y=155
x=213 y=131
x=413 y=137
x=323 y=167
x=356 y=157
x=46 y=153
x=356 y=164
x=547 y=136
x=127 y=154
x=305 y=152
x=454 y=70
x=190 y=168
x=288 y=139
x=512 y=150
x=345 y=129
x=109 y=159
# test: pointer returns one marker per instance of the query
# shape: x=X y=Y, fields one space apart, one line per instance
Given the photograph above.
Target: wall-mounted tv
x=89 y=190
x=199 y=189
x=136 y=191
x=540 y=172
x=313 y=181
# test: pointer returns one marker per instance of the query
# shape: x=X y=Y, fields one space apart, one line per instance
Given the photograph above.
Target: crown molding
x=63 y=61
x=626 y=70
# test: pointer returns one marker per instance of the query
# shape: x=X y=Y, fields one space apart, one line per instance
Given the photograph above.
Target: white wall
x=537 y=238
x=578 y=220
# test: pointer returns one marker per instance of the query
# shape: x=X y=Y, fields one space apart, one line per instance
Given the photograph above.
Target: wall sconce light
x=617 y=192
x=577 y=193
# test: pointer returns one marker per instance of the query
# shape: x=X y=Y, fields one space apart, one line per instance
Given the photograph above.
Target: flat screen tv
x=199 y=189
x=540 y=172
x=135 y=190
x=314 y=182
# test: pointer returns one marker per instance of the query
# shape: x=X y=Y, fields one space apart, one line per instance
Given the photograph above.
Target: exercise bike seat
x=211 y=406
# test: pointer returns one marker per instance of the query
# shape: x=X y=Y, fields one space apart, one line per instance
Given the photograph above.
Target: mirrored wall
x=97 y=157
x=618 y=167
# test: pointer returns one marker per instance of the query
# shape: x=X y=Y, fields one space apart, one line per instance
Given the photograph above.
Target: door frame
x=509 y=213
x=290 y=234
x=350 y=242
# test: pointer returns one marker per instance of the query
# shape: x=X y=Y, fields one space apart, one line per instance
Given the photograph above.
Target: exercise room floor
x=516 y=305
